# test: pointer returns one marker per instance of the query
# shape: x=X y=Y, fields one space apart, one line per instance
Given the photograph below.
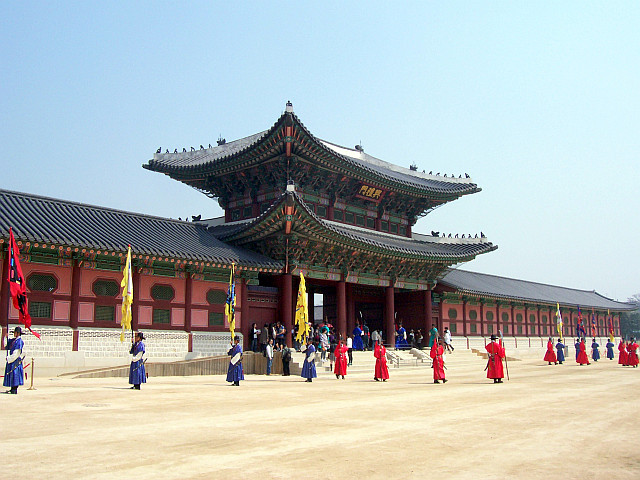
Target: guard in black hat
x=496 y=353
x=14 y=372
x=137 y=373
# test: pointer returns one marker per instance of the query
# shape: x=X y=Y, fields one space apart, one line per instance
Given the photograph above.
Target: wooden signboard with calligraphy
x=368 y=192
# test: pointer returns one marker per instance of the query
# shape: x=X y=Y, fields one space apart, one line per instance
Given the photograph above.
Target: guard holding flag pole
x=13 y=372
x=235 y=373
x=137 y=373
x=496 y=353
x=309 y=367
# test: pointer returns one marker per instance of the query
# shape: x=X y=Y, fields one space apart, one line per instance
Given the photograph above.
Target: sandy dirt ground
x=547 y=421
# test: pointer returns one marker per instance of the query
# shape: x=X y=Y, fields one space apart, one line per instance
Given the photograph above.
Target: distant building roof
x=483 y=284
x=47 y=220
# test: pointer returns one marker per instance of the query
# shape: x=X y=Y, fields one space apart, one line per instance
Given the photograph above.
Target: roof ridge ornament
x=289 y=107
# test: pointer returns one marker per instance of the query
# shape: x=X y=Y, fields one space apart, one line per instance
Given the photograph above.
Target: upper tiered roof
x=198 y=167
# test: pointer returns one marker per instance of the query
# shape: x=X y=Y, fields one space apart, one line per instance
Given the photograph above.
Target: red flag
x=18 y=285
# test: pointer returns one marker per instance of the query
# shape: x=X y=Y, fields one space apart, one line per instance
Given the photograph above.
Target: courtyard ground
x=563 y=421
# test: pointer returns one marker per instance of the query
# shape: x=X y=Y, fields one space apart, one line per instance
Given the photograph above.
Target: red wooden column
x=341 y=311
x=513 y=320
x=245 y=321
x=188 y=286
x=287 y=305
x=527 y=326
x=389 y=309
x=428 y=314
x=135 y=275
x=351 y=309
x=75 y=301
x=4 y=296
x=465 y=330
x=482 y=319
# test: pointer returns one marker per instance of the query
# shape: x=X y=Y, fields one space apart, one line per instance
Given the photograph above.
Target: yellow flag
x=127 y=295
x=230 y=306
x=559 y=320
x=302 y=312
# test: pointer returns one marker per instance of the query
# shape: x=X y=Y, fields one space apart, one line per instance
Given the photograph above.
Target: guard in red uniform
x=437 y=350
x=550 y=356
x=381 y=371
x=340 y=354
x=494 y=363
x=582 y=358
x=632 y=353
x=622 y=349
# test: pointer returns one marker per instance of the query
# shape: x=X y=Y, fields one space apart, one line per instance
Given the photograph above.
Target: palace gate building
x=293 y=204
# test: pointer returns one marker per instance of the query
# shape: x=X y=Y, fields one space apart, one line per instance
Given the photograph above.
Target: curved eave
x=341 y=235
x=245 y=156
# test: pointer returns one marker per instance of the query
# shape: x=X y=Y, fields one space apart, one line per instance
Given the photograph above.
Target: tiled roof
x=510 y=288
x=438 y=248
x=47 y=220
x=200 y=160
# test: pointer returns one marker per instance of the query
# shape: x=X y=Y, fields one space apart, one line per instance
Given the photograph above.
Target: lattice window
x=371 y=222
x=40 y=309
x=42 y=282
x=505 y=328
x=161 y=316
x=532 y=318
x=105 y=313
x=473 y=314
x=533 y=329
x=360 y=220
x=474 y=328
x=453 y=327
x=393 y=227
x=519 y=329
x=489 y=329
x=505 y=317
x=162 y=292
x=338 y=215
x=247 y=212
x=216 y=319
x=216 y=297
x=106 y=288
x=453 y=313
x=384 y=226
x=519 y=318
x=321 y=210
x=402 y=230
x=544 y=319
x=489 y=317
x=349 y=217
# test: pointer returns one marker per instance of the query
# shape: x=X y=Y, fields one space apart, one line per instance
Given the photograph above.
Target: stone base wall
x=209 y=344
x=54 y=341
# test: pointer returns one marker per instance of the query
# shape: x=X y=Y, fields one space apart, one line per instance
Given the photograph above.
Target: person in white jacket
x=269 y=355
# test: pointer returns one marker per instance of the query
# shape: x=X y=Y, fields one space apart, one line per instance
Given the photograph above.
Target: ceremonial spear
x=506 y=364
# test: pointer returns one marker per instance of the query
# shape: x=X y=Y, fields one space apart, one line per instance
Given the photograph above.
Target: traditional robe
x=357 y=339
x=401 y=339
x=13 y=372
x=340 y=354
x=595 y=353
x=309 y=367
x=632 y=354
x=433 y=333
x=622 y=349
x=550 y=356
x=235 y=373
x=560 y=350
x=610 y=346
x=582 y=358
x=438 y=362
x=381 y=371
x=137 y=373
x=577 y=345
x=494 y=363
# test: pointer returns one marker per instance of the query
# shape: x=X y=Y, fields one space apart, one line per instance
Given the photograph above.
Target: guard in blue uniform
x=560 y=350
x=577 y=345
x=610 y=346
x=401 y=338
x=595 y=353
x=13 y=372
x=137 y=373
x=309 y=367
x=235 y=372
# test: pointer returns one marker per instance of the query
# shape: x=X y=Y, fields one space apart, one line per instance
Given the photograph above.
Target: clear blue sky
x=538 y=101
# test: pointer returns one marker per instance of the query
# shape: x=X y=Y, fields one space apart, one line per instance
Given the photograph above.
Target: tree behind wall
x=630 y=321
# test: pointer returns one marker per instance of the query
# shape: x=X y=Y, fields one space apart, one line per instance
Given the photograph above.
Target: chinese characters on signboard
x=370 y=193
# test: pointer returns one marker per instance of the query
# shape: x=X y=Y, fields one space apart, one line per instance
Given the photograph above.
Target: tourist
x=419 y=339
x=412 y=338
x=433 y=334
x=632 y=354
x=550 y=356
x=14 y=372
x=381 y=371
x=281 y=333
x=622 y=351
x=609 y=346
x=309 y=367
x=235 y=372
x=437 y=352
x=324 y=343
x=448 y=344
x=560 y=349
x=350 y=349
x=595 y=353
x=269 y=354
x=375 y=337
x=340 y=355
x=264 y=337
x=357 y=338
x=254 y=333
x=496 y=353
x=401 y=338
x=286 y=359
x=137 y=374
x=582 y=358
